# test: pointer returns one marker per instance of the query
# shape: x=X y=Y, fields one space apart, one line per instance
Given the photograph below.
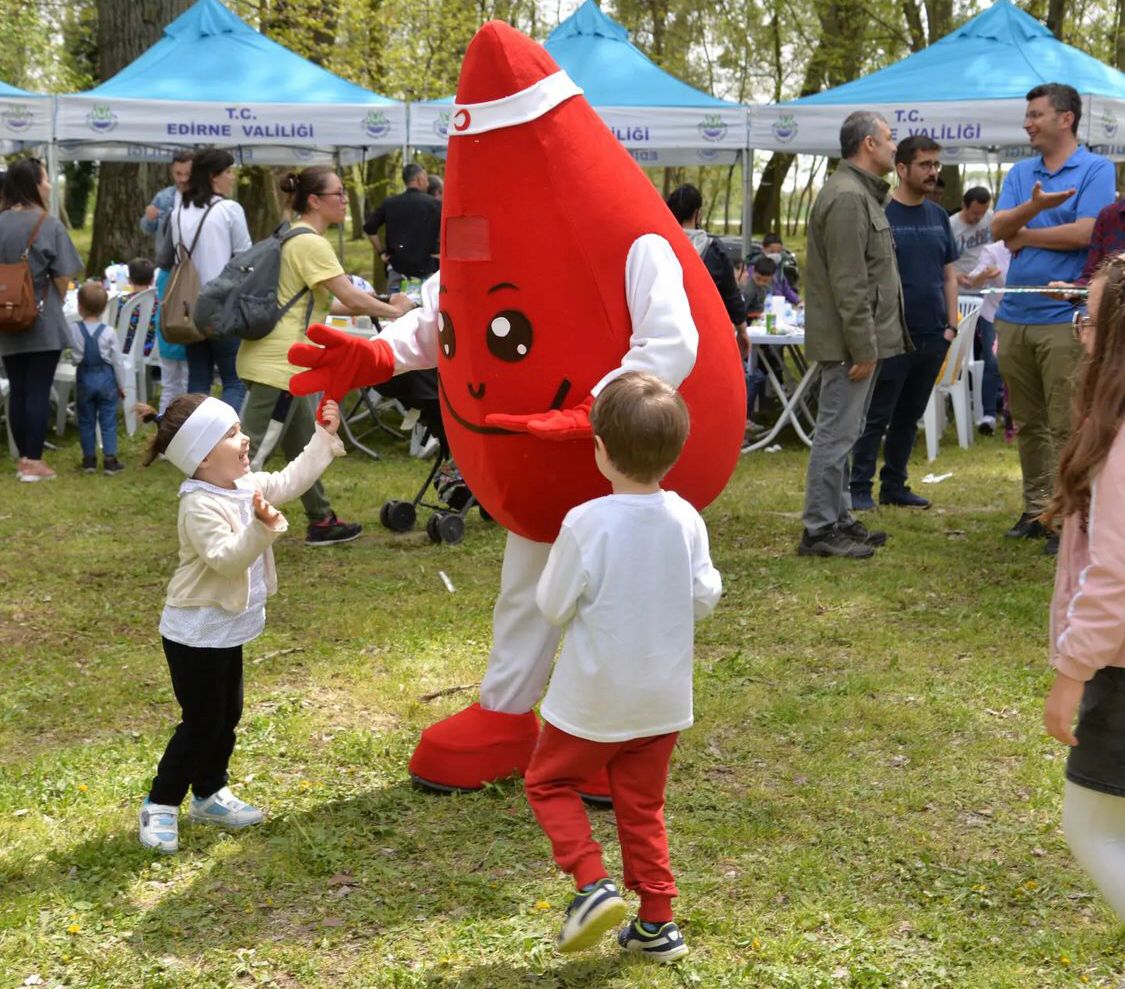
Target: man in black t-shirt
x=925 y=251
x=413 y=222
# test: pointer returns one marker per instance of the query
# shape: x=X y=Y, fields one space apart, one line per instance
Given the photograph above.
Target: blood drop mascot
x=561 y=268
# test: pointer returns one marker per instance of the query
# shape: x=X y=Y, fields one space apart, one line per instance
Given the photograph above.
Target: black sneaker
x=590 y=914
x=1028 y=526
x=665 y=944
x=1051 y=546
x=862 y=501
x=111 y=465
x=833 y=543
x=987 y=426
x=904 y=498
x=329 y=531
x=858 y=532
x=89 y=465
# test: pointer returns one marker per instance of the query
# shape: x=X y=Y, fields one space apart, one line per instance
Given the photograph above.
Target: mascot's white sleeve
x=413 y=338
x=665 y=339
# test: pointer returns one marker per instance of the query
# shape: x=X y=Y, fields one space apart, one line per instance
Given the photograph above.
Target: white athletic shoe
x=224 y=809
x=160 y=826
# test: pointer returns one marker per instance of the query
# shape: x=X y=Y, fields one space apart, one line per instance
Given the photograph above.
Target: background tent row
x=973 y=81
x=659 y=118
x=25 y=119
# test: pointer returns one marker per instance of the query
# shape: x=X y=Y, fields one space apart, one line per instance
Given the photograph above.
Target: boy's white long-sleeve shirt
x=629 y=575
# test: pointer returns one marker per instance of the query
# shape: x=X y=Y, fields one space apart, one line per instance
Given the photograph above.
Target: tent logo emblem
x=712 y=127
x=709 y=154
x=17 y=118
x=441 y=125
x=376 y=124
x=101 y=119
x=1109 y=123
x=785 y=128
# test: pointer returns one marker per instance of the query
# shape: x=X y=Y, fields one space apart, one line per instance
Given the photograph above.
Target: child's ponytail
x=167 y=425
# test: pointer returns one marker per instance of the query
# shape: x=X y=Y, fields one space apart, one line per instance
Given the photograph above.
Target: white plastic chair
x=954 y=381
x=136 y=389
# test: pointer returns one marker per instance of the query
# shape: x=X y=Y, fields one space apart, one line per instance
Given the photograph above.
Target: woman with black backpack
x=213 y=227
x=312 y=275
x=31 y=351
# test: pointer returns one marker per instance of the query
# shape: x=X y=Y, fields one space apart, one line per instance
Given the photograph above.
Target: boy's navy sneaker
x=224 y=809
x=590 y=914
x=89 y=464
x=329 y=531
x=664 y=944
x=111 y=465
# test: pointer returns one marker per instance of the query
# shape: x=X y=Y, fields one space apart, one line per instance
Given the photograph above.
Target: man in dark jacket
x=686 y=203
x=853 y=319
x=413 y=221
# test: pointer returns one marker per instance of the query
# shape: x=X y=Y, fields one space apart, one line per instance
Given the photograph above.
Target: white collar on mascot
x=510 y=111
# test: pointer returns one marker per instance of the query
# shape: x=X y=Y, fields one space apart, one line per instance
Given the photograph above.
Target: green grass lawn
x=867 y=798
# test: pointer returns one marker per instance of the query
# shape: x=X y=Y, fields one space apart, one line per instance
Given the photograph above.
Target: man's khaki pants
x=1037 y=363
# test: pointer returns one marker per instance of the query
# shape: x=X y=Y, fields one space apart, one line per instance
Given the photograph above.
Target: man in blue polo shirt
x=1045 y=214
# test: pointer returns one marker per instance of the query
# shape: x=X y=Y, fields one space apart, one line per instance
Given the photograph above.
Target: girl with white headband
x=216 y=600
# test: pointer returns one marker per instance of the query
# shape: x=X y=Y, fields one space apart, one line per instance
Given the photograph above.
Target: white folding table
x=795 y=410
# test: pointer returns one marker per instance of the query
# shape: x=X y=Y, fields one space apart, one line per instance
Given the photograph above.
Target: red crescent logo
x=461 y=119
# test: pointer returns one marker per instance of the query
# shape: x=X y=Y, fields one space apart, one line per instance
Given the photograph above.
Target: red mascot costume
x=561 y=268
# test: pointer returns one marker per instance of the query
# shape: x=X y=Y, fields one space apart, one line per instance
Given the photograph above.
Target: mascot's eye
x=446 y=337
x=509 y=335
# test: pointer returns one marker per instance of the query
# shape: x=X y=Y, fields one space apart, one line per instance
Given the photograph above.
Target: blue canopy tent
x=25 y=119
x=212 y=79
x=659 y=118
x=967 y=91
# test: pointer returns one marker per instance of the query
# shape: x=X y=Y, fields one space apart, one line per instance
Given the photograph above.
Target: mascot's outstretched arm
x=339 y=362
x=664 y=340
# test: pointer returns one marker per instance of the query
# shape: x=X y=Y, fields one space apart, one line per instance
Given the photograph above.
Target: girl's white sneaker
x=160 y=827
x=224 y=809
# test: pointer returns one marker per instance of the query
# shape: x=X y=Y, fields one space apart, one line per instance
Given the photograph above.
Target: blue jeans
x=204 y=357
x=29 y=401
x=901 y=392
x=755 y=378
x=990 y=386
x=96 y=404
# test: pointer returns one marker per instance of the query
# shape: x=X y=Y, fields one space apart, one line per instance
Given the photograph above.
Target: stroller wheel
x=432 y=529
x=451 y=528
x=398 y=516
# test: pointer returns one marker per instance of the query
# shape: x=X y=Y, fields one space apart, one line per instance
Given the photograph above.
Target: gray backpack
x=241 y=300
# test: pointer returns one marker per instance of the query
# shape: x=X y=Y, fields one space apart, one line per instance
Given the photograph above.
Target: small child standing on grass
x=629 y=575
x=1087 y=638
x=216 y=599
x=100 y=379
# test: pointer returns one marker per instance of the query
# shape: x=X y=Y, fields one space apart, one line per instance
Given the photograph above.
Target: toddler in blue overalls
x=100 y=378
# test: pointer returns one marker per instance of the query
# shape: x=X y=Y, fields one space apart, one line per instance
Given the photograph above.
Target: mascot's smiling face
x=541 y=208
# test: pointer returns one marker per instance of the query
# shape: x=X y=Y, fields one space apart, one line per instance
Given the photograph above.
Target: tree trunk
x=1056 y=17
x=259 y=196
x=834 y=60
x=126 y=29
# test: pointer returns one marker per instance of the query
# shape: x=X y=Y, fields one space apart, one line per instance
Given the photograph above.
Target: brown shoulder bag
x=18 y=305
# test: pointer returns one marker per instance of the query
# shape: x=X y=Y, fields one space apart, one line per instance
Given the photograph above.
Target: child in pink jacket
x=1087 y=645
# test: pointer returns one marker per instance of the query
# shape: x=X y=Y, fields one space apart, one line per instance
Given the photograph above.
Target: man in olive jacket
x=854 y=318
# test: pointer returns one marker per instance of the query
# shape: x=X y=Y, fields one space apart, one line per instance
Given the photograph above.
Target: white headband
x=198 y=435
x=519 y=108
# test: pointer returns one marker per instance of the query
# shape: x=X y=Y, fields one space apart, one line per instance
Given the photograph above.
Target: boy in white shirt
x=629 y=574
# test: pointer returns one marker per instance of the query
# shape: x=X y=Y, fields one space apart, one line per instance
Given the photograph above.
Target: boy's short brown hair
x=643 y=423
x=92 y=298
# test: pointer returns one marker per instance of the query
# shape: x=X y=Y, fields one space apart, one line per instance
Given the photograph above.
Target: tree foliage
x=771 y=50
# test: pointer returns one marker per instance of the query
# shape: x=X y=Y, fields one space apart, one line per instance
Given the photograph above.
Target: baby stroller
x=418 y=390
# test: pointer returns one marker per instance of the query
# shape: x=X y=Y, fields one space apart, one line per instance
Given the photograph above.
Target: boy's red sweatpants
x=638 y=771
